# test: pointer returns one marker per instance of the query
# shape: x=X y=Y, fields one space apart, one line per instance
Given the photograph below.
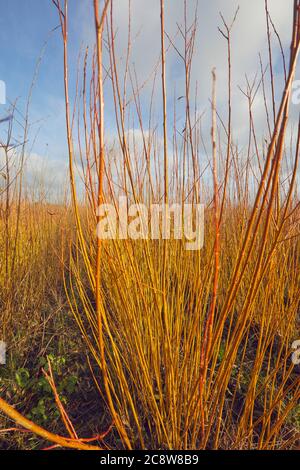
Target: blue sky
x=25 y=34
x=25 y=25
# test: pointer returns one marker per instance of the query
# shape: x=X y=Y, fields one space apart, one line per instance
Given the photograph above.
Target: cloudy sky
x=27 y=30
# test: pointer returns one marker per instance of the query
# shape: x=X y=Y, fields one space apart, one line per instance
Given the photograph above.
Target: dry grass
x=188 y=350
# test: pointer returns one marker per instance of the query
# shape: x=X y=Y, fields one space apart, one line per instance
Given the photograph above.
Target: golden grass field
x=141 y=344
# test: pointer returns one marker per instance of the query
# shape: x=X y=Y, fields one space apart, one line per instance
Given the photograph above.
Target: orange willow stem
x=26 y=423
x=207 y=337
x=163 y=78
x=63 y=16
x=99 y=24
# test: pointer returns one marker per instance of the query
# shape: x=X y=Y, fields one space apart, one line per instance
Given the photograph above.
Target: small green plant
x=39 y=388
x=23 y=377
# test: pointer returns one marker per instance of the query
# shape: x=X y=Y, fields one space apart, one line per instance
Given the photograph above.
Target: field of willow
x=140 y=343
